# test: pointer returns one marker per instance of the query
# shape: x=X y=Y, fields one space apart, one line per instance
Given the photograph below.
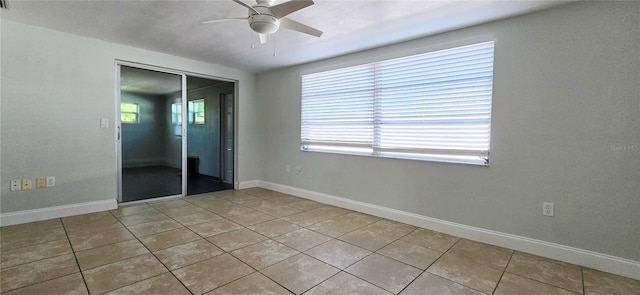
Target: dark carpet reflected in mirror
x=142 y=183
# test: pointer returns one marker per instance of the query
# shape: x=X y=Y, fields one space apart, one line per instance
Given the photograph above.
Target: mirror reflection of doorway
x=206 y=133
x=161 y=134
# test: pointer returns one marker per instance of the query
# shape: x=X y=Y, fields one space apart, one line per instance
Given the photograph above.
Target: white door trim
x=118 y=127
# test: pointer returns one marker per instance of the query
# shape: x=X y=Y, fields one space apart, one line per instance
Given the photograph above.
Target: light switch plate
x=104 y=123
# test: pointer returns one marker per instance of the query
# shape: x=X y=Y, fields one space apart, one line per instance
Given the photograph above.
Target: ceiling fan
x=265 y=19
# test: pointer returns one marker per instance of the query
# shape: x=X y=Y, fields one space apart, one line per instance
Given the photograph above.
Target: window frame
x=451 y=155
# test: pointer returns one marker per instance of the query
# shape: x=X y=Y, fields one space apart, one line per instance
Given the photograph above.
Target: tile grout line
x=231 y=254
x=202 y=237
x=84 y=280
x=375 y=252
x=35 y=283
x=273 y=239
x=154 y=255
x=170 y=217
x=255 y=270
x=549 y=284
x=503 y=272
x=341 y=270
x=422 y=270
x=205 y=238
x=584 y=288
x=37 y=243
x=443 y=253
x=372 y=252
x=332 y=238
x=425 y=269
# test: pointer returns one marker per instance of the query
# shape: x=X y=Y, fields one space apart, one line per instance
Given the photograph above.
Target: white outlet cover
x=16 y=185
x=51 y=181
x=27 y=184
x=547 y=209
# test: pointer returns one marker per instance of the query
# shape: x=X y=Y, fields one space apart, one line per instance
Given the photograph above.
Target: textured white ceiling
x=174 y=27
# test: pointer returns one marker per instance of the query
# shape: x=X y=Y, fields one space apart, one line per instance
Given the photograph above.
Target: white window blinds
x=433 y=106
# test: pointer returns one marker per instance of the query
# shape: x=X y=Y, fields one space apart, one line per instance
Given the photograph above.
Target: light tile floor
x=257 y=241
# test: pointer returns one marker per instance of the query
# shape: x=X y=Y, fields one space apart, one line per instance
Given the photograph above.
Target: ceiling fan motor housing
x=264 y=23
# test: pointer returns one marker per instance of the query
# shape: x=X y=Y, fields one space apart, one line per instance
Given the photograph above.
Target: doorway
x=171 y=135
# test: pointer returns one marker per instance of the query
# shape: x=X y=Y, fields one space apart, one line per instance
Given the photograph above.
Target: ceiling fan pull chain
x=274 y=43
x=252 y=46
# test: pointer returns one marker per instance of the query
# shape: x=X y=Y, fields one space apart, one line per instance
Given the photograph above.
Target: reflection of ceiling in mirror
x=138 y=80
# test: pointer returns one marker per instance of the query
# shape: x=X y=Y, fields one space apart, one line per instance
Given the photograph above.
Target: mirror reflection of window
x=176 y=113
x=197 y=110
x=129 y=113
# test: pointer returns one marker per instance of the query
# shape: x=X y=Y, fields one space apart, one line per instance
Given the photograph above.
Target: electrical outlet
x=16 y=185
x=41 y=182
x=26 y=184
x=547 y=209
x=51 y=181
x=287 y=168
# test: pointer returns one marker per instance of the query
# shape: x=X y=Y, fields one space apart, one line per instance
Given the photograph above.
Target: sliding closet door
x=227 y=138
x=151 y=117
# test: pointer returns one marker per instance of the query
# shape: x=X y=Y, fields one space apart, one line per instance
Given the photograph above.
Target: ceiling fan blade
x=224 y=20
x=264 y=38
x=246 y=5
x=286 y=8
x=290 y=24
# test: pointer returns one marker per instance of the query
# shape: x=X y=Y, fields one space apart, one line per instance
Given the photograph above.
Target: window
x=129 y=113
x=434 y=106
x=176 y=113
x=197 y=111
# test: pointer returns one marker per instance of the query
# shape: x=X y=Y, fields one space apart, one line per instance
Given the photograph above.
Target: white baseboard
x=248 y=184
x=603 y=262
x=25 y=216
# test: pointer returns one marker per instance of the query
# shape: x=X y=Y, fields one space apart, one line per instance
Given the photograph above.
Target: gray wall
x=144 y=143
x=55 y=87
x=565 y=103
x=203 y=140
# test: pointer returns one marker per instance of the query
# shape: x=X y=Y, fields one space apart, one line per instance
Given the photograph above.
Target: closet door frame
x=118 y=124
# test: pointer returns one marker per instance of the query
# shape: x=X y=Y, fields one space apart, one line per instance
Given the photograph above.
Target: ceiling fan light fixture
x=264 y=24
